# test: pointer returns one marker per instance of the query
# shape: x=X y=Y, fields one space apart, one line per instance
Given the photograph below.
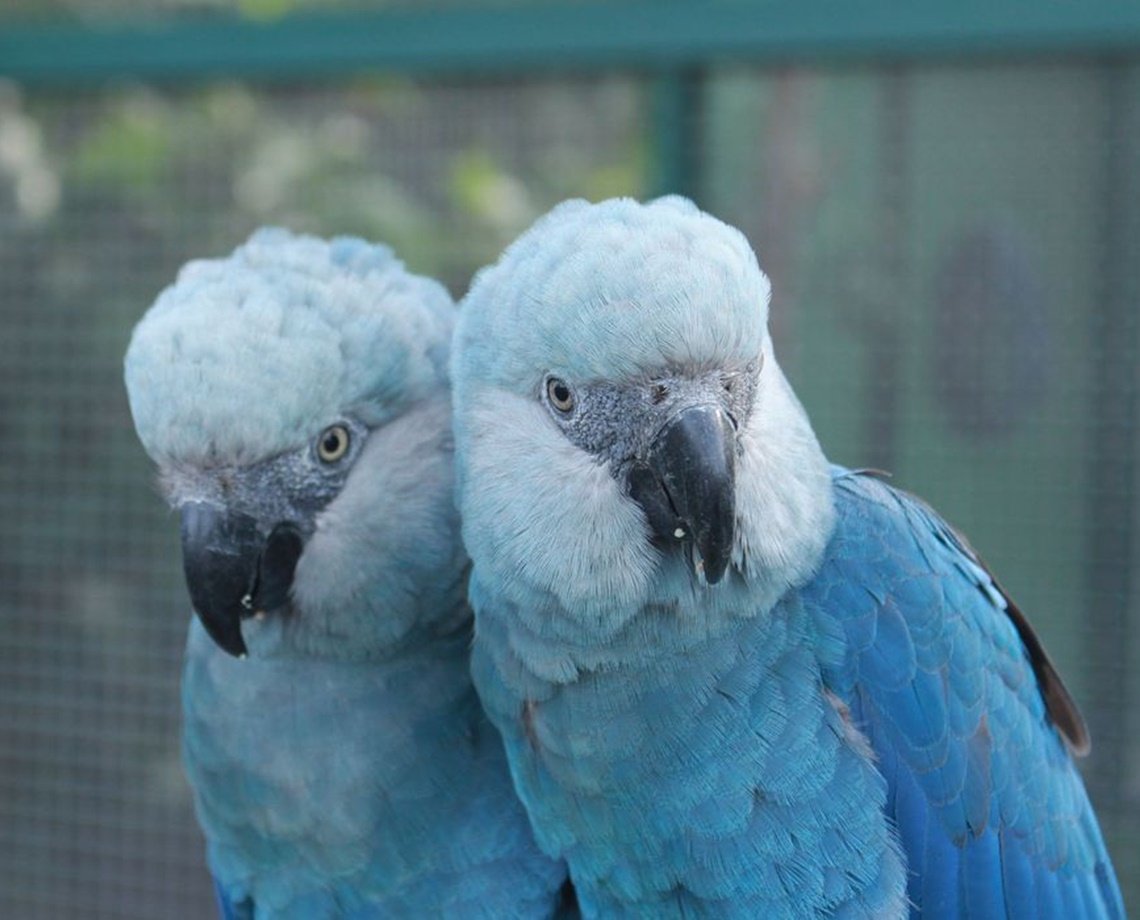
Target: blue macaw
x=733 y=680
x=295 y=399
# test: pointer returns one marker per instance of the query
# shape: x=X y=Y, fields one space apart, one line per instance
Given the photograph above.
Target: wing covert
x=965 y=712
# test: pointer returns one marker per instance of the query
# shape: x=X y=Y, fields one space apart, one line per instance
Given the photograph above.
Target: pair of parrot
x=554 y=605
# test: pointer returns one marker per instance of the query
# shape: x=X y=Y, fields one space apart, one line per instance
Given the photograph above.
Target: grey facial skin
x=679 y=462
x=243 y=530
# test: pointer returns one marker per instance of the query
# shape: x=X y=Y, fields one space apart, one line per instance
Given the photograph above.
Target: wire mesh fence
x=953 y=249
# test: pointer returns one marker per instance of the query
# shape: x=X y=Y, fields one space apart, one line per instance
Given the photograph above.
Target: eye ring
x=560 y=395
x=332 y=444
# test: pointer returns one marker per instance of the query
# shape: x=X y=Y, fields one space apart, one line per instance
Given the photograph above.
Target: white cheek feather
x=388 y=531
x=785 y=509
x=547 y=515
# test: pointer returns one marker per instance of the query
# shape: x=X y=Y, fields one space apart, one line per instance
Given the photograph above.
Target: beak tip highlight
x=711 y=562
x=233 y=643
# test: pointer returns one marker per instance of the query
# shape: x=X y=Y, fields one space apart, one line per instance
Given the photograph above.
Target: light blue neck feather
x=709 y=770
x=341 y=787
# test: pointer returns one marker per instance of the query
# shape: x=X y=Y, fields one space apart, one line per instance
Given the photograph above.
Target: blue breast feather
x=963 y=710
x=358 y=791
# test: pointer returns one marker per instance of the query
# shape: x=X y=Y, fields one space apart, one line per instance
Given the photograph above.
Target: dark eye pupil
x=332 y=443
x=561 y=393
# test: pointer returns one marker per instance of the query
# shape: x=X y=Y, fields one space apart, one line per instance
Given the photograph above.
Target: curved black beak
x=687 y=485
x=233 y=572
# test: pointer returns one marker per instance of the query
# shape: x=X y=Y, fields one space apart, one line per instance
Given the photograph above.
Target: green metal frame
x=674 y=39
x=634 y=34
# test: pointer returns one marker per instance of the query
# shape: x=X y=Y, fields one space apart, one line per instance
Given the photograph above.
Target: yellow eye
x=560 y=394
x=332 y=444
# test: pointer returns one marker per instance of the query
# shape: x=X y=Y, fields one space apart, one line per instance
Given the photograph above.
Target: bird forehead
x=618 y=288
x=632 y=339
x=233 y=396
x=649 y=274
x=251 y=355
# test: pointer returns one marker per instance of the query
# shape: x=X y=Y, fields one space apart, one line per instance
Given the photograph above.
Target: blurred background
x=947 y=200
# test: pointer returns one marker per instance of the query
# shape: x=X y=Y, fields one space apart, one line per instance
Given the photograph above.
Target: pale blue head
x=293 y=395
x=621 y=421
x=638 y=279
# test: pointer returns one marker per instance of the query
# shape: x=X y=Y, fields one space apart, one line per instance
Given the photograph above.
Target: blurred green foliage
x=342 y=161
x=258 y=10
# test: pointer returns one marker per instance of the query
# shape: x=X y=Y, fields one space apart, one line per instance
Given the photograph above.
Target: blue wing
x=962 y=708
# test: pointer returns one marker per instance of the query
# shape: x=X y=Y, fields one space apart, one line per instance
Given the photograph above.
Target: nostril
x=732 y=420
x=660 y=393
